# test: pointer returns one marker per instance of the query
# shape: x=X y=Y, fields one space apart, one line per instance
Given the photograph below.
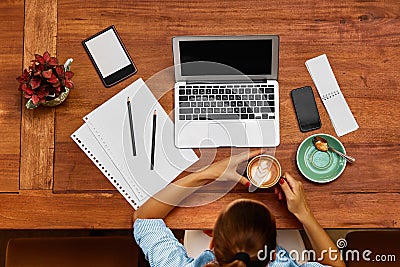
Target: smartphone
x=306 y=109
x=109 y=56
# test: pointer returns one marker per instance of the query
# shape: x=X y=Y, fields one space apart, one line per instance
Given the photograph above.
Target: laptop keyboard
x=226 y=102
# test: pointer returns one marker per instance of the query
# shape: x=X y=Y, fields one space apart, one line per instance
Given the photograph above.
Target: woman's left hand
x=226 y=170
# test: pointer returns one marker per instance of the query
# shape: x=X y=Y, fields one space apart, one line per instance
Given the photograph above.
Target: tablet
x=109 y=56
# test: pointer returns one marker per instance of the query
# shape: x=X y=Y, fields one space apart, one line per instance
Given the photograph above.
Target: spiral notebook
x=338 y=110
x=89 y=144
x=105 y=138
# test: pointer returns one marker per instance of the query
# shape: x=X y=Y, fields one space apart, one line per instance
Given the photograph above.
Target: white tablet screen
x=108 y=53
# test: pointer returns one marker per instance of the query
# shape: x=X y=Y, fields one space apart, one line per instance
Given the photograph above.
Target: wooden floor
x=48 y=182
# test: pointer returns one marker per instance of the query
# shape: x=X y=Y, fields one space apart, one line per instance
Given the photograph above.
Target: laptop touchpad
x=227 y=134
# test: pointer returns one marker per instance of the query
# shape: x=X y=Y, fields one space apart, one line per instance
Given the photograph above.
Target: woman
x=238 y=240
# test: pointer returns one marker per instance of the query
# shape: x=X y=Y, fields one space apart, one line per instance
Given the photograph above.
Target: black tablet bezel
x=119 y=75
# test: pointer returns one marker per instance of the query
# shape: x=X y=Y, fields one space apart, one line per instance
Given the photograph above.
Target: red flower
x=45 y=79
x=68 y=82
x=47 y=73
x=24 y=78
x=35 y=82
x=46 y=58
x=60 y=70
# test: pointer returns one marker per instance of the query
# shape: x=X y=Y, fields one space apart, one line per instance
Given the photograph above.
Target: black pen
x=153 y=140
x=131 y=126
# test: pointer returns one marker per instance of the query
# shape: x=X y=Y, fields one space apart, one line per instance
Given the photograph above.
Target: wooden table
x=48 y=182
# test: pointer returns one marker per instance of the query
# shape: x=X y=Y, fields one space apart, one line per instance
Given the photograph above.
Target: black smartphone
x=306 y=109
x=109 y=56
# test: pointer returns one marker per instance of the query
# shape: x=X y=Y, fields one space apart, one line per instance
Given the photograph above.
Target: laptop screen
x=233 y=56
x=250 y=57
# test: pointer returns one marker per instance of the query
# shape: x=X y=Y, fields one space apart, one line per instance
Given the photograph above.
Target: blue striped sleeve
x=158 y=243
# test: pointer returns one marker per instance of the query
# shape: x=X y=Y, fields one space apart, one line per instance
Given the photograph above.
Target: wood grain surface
x=360 y=38
x=11 y=46
x=37 y=131
x=42 y=209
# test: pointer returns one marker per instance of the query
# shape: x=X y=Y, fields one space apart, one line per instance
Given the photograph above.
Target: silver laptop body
x=226 y=91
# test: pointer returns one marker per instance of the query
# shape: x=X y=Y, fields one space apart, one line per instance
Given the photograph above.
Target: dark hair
x=244 y=226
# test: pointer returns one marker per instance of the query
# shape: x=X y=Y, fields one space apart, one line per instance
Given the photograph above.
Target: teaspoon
x=322 y=145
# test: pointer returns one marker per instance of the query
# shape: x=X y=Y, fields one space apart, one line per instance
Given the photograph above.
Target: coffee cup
x=264 y=171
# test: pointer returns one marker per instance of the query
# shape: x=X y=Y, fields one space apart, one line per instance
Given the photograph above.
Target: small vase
x=55 y=101
x=58 y=100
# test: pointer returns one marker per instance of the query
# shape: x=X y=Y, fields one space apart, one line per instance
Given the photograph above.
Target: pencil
x=131 y=127
x=153 y=140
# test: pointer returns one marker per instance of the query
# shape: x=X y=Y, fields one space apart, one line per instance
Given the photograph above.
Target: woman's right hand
x=297 y=204
x=295 y=197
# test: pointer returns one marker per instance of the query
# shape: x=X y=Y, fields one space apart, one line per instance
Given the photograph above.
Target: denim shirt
x=161 y=248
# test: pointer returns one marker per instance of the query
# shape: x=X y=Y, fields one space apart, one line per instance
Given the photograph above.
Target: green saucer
x=318 y=166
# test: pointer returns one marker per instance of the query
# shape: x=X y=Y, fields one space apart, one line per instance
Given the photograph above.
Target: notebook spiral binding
x=330 y=95
x=119 y=185
x=132 y=183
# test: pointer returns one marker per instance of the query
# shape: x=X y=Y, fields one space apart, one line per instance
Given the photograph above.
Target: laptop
x=226 y=92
